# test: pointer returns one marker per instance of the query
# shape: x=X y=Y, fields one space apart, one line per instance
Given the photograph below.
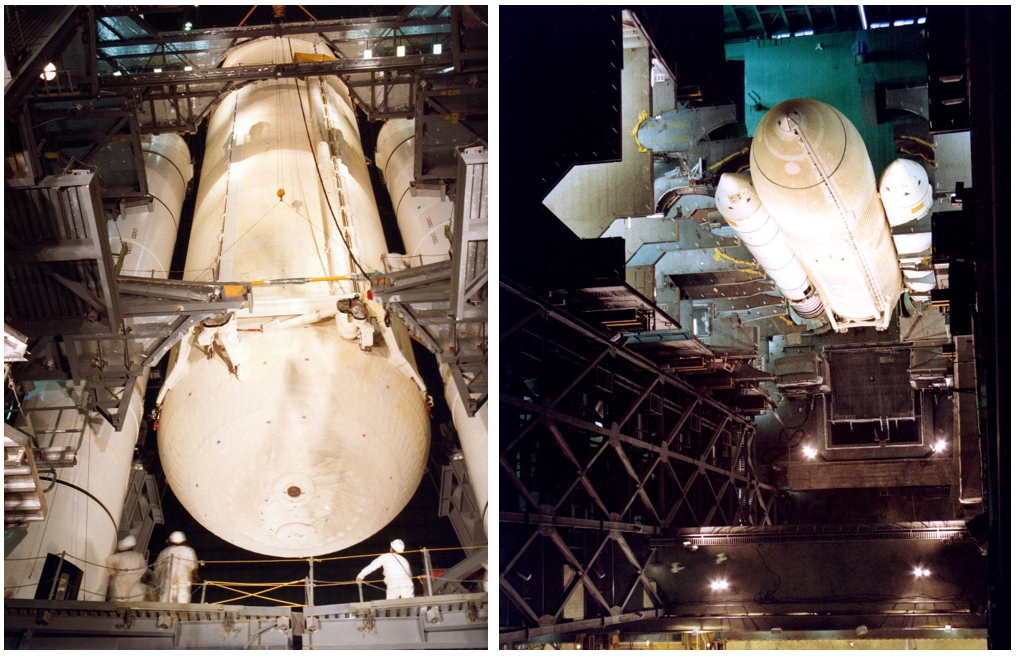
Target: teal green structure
x=844 y=70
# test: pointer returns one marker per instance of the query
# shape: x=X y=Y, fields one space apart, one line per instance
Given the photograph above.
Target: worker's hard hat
x=128 y=542
x=398 y=546
x=177 y=537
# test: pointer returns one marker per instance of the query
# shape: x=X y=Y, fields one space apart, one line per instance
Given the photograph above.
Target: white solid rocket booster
x=296 y=442
x=76 y=524
x=422 y=223
x=905 y=191
x=813 y=175
x=741 y=208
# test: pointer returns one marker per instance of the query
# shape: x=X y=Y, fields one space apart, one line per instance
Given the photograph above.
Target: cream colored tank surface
x=813 y=174
x=294 y=441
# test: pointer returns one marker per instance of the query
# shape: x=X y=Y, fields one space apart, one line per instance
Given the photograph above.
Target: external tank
x=813 y=174
x=282 y=431
x=77 y=524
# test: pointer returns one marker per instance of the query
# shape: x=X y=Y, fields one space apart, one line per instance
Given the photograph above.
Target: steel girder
x=601 y=451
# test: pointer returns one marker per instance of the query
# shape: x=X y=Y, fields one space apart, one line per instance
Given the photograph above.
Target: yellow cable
x=635 y=131
x=921 y=141
x=317 y=560
x=717 y=255
x=254 y=594
x=728 y=158
x=252 y=585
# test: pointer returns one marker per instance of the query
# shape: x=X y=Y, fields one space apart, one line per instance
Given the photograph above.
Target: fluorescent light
x=781 y=35
x=188 y=69
x=117 y=73
x=157 y=70
x=921 y=20
x=904 y=21
x=436 y=49
x=368 y=54
x=400 y=51
x=865 y=21
x=804 y=33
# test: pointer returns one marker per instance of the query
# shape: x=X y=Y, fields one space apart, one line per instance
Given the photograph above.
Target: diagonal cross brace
x=640 y=571
x=640 y=491
x=580 y=572
x=577 y=578
x=581 y=477
x=517 y=599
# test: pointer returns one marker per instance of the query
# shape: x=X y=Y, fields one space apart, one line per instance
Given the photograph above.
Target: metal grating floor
x=871 y=384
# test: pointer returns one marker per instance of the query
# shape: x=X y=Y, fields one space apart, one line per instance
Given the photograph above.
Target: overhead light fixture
x=939 y=446
x=368 y=54
x=157 y=70
x=436 y=49
x=921 y=572
x=117 y=73
x=865 y=21
x=719 y=585
x=810 y=451
x=400 y=51
x=49 y=72
x=188 y=69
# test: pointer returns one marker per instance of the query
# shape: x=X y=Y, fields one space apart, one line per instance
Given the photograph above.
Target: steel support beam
x=589 y=427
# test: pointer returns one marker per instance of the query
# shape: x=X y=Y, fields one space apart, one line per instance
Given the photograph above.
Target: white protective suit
x=398 y=581
x=174 y=574
x=126 y=568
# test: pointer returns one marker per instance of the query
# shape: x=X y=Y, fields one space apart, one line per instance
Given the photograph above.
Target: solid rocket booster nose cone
x=905 y=192
x=735 y=196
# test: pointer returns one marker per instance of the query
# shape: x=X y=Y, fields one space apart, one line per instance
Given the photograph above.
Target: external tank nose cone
x=792 y=136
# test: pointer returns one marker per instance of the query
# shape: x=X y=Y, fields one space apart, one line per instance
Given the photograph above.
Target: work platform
x=456 y=621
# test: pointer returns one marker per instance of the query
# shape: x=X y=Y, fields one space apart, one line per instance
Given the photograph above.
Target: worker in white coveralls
x=126 y=568
x=398 y=577
x=175 y=568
